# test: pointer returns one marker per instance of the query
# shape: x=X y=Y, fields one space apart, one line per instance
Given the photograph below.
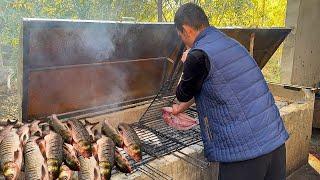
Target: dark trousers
x=271 y=166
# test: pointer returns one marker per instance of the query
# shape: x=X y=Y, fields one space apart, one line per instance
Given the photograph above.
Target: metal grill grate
x=157 y=137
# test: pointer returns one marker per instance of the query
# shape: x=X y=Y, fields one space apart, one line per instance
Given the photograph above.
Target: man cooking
x=241 y=127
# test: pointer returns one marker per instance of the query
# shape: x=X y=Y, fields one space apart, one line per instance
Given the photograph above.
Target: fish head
x=65 y=173
x=53 y=174
x=45 y=129
x=11 y=171
x=24 y=134
x=63 y=128
x=85 y=148
x=35 y=130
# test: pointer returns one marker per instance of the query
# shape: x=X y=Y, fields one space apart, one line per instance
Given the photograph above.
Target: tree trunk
x=1 y=58
x=160 y=11
x=263 y=12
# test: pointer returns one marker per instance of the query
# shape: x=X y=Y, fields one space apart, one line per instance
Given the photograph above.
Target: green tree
x=246 y=13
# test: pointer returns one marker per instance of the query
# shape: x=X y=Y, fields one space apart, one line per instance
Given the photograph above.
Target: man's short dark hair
x=192 y=15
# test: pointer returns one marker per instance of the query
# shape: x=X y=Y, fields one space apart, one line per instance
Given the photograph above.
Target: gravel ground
x=8 y=104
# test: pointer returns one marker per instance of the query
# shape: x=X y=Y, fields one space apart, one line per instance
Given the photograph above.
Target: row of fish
x=71 y=150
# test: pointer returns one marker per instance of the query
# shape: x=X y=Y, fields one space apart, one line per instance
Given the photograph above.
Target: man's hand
x=184 y=56
x=179 y=108
x=175 y=109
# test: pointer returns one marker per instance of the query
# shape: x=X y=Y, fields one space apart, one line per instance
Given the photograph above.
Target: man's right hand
x=184 y=55
x=180 y=108
x=175 y=109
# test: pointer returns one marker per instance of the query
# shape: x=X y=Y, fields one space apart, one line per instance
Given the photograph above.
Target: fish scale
x=8 y=146
x=65 y=173
x=33 y=160
x=121 y=162
x=87 y=168
x=70 y=156
x=81 y=138
x=54 y=153
x=60 y=128
x=131 y=141
x=80 y=132
x=54 y=146
x=130 y=134
x=112 y=133
x=5 y=131
x=106 y=150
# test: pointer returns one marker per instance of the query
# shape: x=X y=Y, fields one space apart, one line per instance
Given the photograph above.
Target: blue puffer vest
x=238 y=116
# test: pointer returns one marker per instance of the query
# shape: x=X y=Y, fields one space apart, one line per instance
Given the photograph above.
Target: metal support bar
x=252 y=37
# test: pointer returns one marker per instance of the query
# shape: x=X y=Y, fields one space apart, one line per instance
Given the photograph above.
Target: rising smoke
x=88 y=43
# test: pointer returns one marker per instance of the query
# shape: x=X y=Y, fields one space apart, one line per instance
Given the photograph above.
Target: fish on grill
x=70 y=157
x=24 y=133
x=35 y=130
x=45 y=129
x=88 y=169
x=5 y=131
x=93 y=133
x=111 y=132
x=65 y=173
x=180 y=121
x=105 y=156
x=132 y=144
x=53 y=153
x=11 y=155
x=81 y=138
x=121 y=162
x=34 y=162
x=60 y=128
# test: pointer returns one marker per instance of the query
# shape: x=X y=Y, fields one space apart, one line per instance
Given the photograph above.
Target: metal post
x=252 y=36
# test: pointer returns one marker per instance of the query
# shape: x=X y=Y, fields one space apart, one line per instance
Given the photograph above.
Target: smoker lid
x=266 y=40
x=71 y=65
